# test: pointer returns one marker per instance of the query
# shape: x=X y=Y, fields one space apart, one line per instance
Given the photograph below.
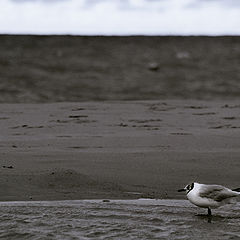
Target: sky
x=120 y=17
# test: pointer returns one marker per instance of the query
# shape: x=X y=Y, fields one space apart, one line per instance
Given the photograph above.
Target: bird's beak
x=182 y=190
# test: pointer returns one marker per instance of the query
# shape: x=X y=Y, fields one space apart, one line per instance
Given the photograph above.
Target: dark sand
x=117 y=149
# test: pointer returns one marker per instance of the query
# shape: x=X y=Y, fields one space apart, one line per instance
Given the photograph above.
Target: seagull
x=209 y=196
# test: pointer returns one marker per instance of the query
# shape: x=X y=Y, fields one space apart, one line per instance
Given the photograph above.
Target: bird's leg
x=209 y=212
x=209 y=215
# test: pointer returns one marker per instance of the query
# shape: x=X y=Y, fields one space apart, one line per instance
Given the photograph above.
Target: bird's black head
x=187 y=189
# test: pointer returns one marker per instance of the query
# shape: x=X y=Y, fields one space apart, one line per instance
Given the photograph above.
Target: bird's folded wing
x=216 y=192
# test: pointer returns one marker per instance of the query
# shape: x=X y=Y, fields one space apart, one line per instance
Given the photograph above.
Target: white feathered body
x=212 y=196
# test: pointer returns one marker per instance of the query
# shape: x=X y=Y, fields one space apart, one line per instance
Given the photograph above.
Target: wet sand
x=116 y=150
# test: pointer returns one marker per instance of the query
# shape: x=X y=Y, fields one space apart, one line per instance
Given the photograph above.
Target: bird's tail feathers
x=236 y=190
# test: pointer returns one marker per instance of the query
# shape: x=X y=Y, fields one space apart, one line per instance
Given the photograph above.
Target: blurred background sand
x=67 y=68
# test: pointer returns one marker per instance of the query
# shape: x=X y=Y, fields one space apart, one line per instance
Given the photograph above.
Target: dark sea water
x=67 y=68
x=116 y=219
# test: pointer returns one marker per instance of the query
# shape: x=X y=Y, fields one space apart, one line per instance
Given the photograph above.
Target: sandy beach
x=116 y=149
